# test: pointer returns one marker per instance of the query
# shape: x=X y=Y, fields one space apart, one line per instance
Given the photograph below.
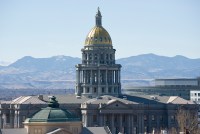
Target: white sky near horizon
x=47 y=28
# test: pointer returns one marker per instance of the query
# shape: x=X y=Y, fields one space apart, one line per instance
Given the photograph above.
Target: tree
x=187 y=120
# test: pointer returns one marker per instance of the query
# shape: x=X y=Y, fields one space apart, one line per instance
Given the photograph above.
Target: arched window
x=90 y=56
x=109 y=39
x=106 y=56
x=95 y=39
x=102 y=57
x=95 y=56
x=101 y=39
x=105 y=39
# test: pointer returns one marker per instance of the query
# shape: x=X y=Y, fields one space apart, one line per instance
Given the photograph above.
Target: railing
x=107 y=130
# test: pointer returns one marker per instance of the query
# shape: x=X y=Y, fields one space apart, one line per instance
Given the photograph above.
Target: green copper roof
x=53 y=114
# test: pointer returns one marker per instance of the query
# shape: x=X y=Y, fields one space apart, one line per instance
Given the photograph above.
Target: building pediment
x=115 y=104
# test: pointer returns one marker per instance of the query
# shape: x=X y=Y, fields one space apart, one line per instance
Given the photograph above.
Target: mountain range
x=58 y=72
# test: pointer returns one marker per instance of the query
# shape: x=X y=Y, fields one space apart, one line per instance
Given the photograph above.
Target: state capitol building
x=98 y=101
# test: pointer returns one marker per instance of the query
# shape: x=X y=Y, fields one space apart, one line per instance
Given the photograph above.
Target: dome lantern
x=98 y=35
x=98 y=18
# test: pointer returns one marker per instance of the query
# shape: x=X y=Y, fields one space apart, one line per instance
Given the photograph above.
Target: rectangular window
x=115 y=119
x=135 y=118
x=161 y=118
x=153 y=118
x=94 y=118
x=172 y=118
x=124 y=118
x=145 y=117
x=135 y=130
x=7 y=118
x=37 y=131
x=107 y=120
x=102 y=90
x=198 y=94
x=87 y=90
x=95 y=90
x=115 y=90
x=23 y=118
x=145 y=129
x=109 y=90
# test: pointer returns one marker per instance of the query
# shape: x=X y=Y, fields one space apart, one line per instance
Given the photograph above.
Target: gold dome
x=98 y=35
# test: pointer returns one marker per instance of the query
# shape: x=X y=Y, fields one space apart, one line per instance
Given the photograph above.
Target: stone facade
x=98 y=99
x=125 y=113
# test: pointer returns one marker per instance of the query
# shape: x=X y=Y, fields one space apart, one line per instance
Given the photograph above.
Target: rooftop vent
x=40 y=97
x=109 y=98
x=153 y=97
x=78 y=97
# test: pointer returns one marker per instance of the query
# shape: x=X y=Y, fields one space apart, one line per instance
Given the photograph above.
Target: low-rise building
x=169 y=87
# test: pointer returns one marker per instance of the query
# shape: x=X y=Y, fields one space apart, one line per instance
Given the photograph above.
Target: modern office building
x=169 y=87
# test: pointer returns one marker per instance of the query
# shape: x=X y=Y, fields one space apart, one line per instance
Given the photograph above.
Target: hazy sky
x=45 y=28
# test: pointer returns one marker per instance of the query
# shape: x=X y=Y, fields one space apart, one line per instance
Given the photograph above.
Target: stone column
x=84 y=90
x=86 y=76
x=104 y=120
x=112 y=77
x=116 y=76
x=88 y=123
x=112 y=124
x=168 y=121
x=149 y=123
x=140 y=123
x=16 y=119
x=91 y=77
x=99 y=82
x=98 y=79
x=88 y=58
x=86 y=120
x=158 y=122
x=119 y=86
x=101 y=120
x=106 y=81
x=120 y=123
x=1 y=120
x=83 y=76
x=11 y=118
x=129 y=124
x=20 y=120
